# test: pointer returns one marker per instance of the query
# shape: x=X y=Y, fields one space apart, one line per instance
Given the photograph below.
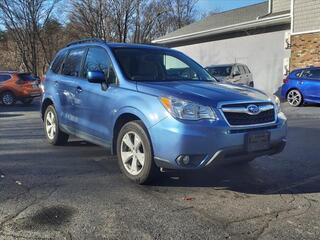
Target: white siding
x=263 y=53
x=306 y=15
x=280 y=5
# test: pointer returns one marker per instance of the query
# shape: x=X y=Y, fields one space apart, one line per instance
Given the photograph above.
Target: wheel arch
x=294 y=88
x=120 y=121
x=46 y=102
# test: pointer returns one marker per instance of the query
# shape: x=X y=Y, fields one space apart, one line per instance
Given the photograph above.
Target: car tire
x=51 y=127
x=8 y=98
x=27 y=101
x=294 y=98
x=134 y=152
x=251 y=84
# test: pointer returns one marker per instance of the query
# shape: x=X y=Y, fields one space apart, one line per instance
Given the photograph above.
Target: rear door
x=3 y=79
x=66 y=85
x=309 y=84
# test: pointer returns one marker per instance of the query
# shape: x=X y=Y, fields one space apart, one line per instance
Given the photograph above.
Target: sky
x=224 y=5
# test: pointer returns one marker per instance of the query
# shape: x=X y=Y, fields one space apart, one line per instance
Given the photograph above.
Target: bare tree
x=24 y=19
x=180 y=13
x=91 y=18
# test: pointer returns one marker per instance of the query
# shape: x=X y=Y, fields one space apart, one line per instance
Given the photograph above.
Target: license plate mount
x=257 y=141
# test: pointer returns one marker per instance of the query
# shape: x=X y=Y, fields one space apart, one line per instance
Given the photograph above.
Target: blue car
x=302 y=86
x=156 y=109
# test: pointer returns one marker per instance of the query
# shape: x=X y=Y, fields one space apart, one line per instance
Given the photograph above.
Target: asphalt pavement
x=77 y=192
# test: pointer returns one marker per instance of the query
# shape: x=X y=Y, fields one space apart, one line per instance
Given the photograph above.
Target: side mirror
x=96 y=76
x=236 y=73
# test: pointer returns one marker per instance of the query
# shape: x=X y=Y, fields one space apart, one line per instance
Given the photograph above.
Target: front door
x=95 y=101
x=310 y=85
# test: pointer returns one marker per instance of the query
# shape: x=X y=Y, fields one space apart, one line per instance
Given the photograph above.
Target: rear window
x=4 y=77
x=56 y=65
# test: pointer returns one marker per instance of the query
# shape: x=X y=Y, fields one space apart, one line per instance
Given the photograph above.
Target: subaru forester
x=156 y=109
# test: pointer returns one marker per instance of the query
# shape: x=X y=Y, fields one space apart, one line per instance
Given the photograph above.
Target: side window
x=56 y=65
x=312 y=74
x=72 y=64
x=247 y=69
x=4 y=78
x=236 y=69
x=98 y=60
x=178 y=69
x=241 y=69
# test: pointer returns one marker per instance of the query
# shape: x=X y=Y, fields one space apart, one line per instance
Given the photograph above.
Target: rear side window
x=246 y=69
x=4 y=77
x=72 y=64
x=56 y=65
x=241 y=69
x=27 y=77
x=312 y=74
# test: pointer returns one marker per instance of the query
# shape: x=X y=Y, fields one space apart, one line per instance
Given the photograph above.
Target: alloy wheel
x=132 y=153
x=294 y=98
x=7 y=98
x=51 y=126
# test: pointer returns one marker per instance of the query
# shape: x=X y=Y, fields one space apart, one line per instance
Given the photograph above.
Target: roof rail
x=86 y=40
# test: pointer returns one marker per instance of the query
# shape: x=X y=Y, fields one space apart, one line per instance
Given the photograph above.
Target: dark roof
x=224 y=19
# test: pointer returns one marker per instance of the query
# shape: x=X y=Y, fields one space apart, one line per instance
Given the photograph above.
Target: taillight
x=286 y=80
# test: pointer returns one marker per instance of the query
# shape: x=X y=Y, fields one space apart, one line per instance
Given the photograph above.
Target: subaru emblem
x=253 y=109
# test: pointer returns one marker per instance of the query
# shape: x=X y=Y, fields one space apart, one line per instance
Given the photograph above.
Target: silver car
x=232 y=73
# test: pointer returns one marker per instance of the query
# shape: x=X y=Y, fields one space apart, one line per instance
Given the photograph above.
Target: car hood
x=202 y=92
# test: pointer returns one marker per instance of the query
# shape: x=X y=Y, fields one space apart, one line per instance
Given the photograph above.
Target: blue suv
x=156 y=109
x=302 y=86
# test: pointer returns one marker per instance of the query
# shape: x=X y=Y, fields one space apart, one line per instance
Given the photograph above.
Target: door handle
x=79 y=89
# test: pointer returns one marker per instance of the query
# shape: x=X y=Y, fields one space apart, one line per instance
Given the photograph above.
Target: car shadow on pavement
x=19 y=107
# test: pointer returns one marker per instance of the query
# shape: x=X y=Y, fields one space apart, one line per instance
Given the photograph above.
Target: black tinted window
x=312 y=74
x=98 y=60
x=72 y=64
x=220 y=71
x=27 y=77
x=57 y=62
x=4 y=77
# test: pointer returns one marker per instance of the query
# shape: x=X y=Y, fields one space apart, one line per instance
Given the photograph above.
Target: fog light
x=186 y=160
x=190 y=160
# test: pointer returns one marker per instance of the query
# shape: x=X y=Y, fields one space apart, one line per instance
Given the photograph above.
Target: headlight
x=277 y=103
x=187 y=110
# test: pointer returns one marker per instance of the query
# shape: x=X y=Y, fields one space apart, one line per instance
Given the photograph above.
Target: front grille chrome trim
x=268 y=106
x=245 y=110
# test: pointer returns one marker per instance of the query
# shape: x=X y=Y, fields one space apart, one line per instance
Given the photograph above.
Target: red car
x=16 y=86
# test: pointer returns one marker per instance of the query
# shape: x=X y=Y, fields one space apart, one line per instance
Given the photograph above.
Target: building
x=271 y=38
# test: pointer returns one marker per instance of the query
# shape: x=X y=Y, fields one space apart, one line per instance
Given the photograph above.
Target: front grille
x=235 y=114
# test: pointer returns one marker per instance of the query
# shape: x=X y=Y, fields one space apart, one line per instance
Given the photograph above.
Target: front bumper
x=212 y=142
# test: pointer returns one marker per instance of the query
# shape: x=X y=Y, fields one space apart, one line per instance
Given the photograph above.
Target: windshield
x=140 y=64
x=220 y=71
